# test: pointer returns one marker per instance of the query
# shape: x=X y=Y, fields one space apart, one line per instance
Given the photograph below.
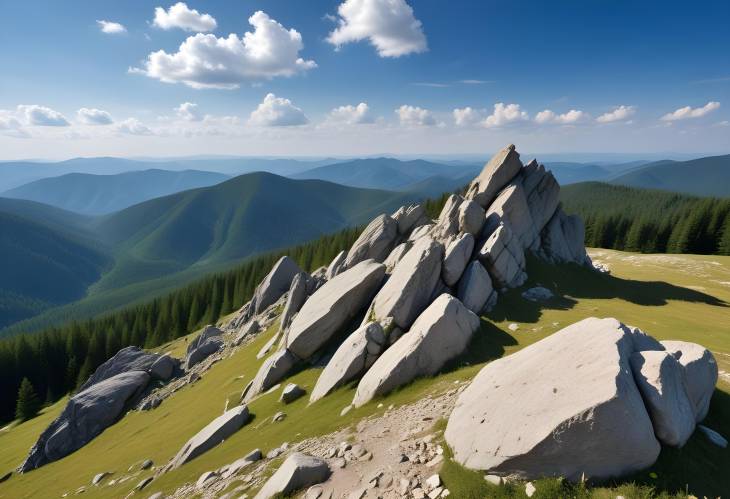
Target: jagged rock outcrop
x=584 y=415
x=542 y=192
x=125 y=360
x=447 y=224
x=374 y=243
x=408 y=217
x=406 y=294
x=203 y=346
x=475 y=289
x=471 y=217
x=86 y=415
x=440 y=333
x=332 y=306
x=297 y=472
x=213 y=434
x=497 y=173
x=563 y=240
x=457 y=256
x=248 y=329
x=700 y=373
x=511 y=208
x=273 y=286
x=504 y=258
x=356 y=354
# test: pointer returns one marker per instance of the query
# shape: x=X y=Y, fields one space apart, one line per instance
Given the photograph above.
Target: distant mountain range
x=102 y=194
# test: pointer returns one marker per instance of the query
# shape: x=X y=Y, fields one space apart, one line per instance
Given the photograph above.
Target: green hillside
x=101 y=194
x=708 y=176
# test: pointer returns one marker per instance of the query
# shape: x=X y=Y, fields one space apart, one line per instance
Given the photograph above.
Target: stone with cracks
x=274 y=285
x=441 y=332
x=275 y=368
x=213 y=434
x=447 y=224
x=125 y=360
x=564 y=406
x=299 y=471
x=333 y=306
x=497 y=173
x=504 y=258
x=356 y=354
x=475 y=289
x=86 y=415
x=542 y=192
x=336 y=264
x=700 y=373
x=408 y=291
x=511 y=208
x=458 y=253
x=660 y=380
x=563 y=240
x=471 y=217
x=208 y=332
x=375 y=242
x=408 y=217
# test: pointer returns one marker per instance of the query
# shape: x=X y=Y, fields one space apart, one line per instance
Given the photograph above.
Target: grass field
x=669 y=296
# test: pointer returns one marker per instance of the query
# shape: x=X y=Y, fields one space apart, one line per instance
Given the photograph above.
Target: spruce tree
x=28 y=403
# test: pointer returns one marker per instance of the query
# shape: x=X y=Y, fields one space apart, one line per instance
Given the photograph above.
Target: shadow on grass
x=571 y=282
x=487 y=344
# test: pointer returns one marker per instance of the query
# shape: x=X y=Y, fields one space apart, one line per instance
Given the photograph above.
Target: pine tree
x=28 y=403
x=723 y=246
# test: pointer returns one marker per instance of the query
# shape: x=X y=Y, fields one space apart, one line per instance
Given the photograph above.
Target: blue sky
x=571 y=76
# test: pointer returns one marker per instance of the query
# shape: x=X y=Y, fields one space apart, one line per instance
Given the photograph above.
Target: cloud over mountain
x=415 y=116
x=277 y=111
x=352 y=115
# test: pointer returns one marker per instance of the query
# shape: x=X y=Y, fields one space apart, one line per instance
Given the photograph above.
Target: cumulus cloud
x=10 y=126
x=389 y=25
x=41 y=116
x=205 y=61
x=620 y=113
x=688 y=112
x=94 y=116
x=352 y=115
x=180 y=16
x=111 y=28
x=277 y=111
x=415 y=116
x=571 y=117
x=189 y=111
x=133 y=126
x=468 y=116
x=505 y=114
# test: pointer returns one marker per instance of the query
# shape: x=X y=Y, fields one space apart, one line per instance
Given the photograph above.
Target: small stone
x=403 y=485
x=529 y=489
x=208 y=475
x=345 y=410
x=6 y=476
x=97 y=478
x=493 y=479
x=279 y=416
x=418 y=493
x=435 y=493
x=513 y=327
x=314 y=492
x=144 y=483
x=291 y=393
x=358 y=450
x=403 y=458
x=433 y=482
x=366 y=457
x=147 y=464
x=331 y=453
x=435 y=461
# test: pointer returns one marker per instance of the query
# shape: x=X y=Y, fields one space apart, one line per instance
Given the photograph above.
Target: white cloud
x=132 y=126
x=687 y=112
x=111 y=28
x=180 y=16
x=621 y=113
x=415 y=116
x=10 y=126
x=277 y=111
x=94 y=116
x=505 y=114
x=189 y=111
x=389 y=25
x=352 y=115
x=205 y=61
x=42 y=116
x=468 y=116
x=571 y=117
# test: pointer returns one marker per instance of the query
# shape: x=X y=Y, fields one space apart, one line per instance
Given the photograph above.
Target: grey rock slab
x=163 y=368
x=542 y=192
x=375 y=242
x=503 y=256
x=563 y=240
x=421 y=231
x=125 y=360
x=213 y=434
x=442 y=332
x=275 y=368
x=86 y=415
x=511 y=208
x=336 y=264
x=274 y=285
x=356 y=354
x=396 y=255
x=203 y=351
x=294 y=301
x=407 y=217
x=291 y=392
x=497 y=173
x=471 y=217
x=406 y=294
x=248 y=329
x=333 y=306
x=563 y=406
x=208 y=332
x=237 y=465
x=700 y=373
x=457 y=256
x=447 y=224
x=475 y=289
x=298 y=471
x=660 y=380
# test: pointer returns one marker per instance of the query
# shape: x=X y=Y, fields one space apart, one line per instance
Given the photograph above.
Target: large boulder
x=660 y=380
x=356 y=354
x=208 y=332
x=86 y=415
x=441 y=332
x=409 y=288
x=511 y=207
x=163 y=367
x=213 y=434
x=203 y=351
x=498 y=172
x=275 y=368
x=504 y=258
x=457 y=255
x=408 y=217
x=564 y=406
x=475 y=289
x=397 y=255
x=125 y=360
x=274 y=285
x=375 y=242
x=563 y=240
x=333 y=306
x=471 y=217
x=542 y=192
x=700 y=373
x=447 y=225
x=297 y=472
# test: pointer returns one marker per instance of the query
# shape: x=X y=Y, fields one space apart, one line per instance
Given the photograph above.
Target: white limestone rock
x=563 y=240
x=299 y=471
x=332 y=306
x=421 y=231
x=511 y=208
x=498 y=172
x=407 y=217
x=700 y=373
x=475 y=289
x=375 y=242
x=447 y=225
x=441 y=333
x=542 y=192
x=396 y=255
x=471 y=217
x=503 y=256
x=275 y=368
x=336 y=265
x=564 y=406
x=274 y=285
x=457 y=256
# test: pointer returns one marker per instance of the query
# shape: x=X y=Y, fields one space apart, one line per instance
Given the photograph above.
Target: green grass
x=678 y=297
